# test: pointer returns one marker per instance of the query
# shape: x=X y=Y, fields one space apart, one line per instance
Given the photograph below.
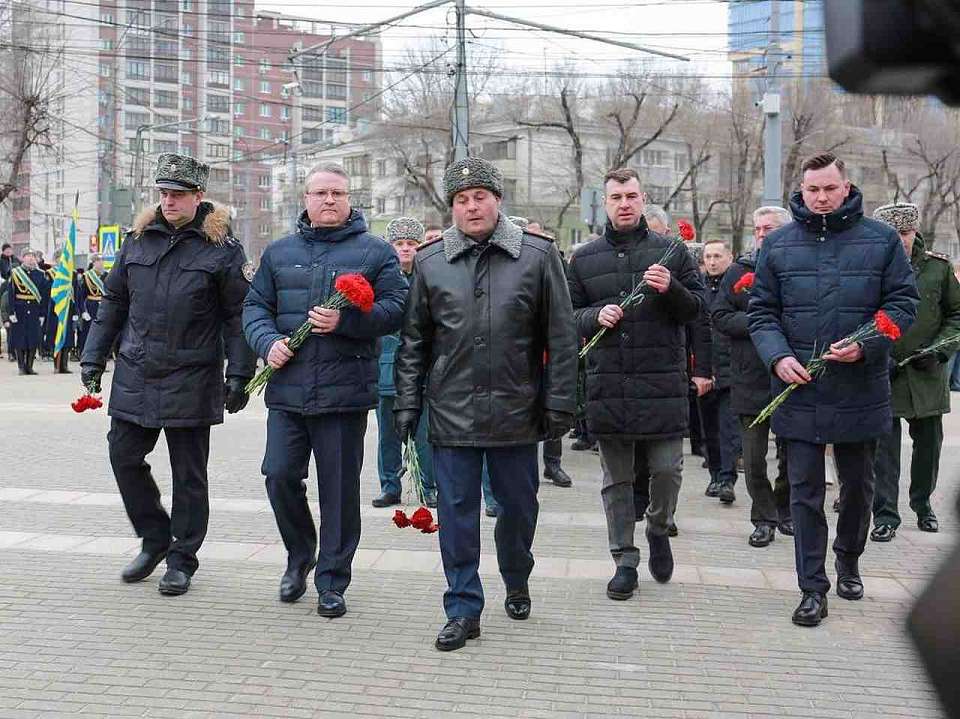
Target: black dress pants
x=182 y=531
x=807 y=491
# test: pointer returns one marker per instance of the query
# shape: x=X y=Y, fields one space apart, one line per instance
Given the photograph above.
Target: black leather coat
x=488 y=339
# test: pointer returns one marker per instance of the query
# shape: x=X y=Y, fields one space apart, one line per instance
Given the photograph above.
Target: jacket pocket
x=435 y=376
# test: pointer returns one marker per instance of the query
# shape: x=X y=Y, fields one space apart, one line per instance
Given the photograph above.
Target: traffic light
x=895 y=47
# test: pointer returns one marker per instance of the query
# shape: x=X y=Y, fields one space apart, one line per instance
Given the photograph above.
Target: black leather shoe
x=762 y=536
x=786 y=527
x=517 y=604
x=836 y=504
x=174 y=582
x=582 y=445
x=883 y=533
x=331 y=604
x=490 y=512
x=456 y=632
x=811 y=611
x=660 y=563
x=726 y=494
x=430 y=499
x=385 y=500
x=558 y=477
x=849 y=584
x=623 y=584
x=672 y=530
x=713 y=489
x=928 y=524
x=141 y=567
x=293 y=584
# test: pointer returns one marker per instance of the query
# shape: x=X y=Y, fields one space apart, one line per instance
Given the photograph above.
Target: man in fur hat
x=174 y=298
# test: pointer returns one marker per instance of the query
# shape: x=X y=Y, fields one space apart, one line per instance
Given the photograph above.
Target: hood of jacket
x=506 y=235
x=212 y=219
x=355 y=225
x=843 y=218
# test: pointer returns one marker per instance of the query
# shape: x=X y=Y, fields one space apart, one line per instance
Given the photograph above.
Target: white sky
x=695 y=28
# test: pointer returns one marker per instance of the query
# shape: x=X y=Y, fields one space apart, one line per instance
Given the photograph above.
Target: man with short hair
x=920 y=394
x=7 y=261
x=405 y=235
x=488 y=305
x=750 y=389
x=818 y=279
x=636 y=374
x=28 y=290
x=720 y=428
x=173 y=298
x=319 y=397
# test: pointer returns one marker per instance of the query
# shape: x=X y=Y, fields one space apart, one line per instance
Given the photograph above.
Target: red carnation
x=687 y=233
x=401 y=519
x=422 y=519
x=357 y=290
x=430 y=529
x=745 y=283
x=886 y=326
x=85 y=402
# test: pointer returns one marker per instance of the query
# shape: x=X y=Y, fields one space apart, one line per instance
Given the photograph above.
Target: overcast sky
x=694 y=28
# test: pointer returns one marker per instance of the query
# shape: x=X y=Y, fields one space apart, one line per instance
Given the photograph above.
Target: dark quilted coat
x=335 y=372
x=750 y=379
x=818 y=279
x=719 y=342
x=637 y=375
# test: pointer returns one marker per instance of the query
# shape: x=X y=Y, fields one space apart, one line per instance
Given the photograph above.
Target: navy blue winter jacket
x=818 y=279
x=336 y=372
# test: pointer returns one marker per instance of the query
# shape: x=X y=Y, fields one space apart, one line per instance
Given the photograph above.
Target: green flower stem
x=935 y=347
x=412 y=460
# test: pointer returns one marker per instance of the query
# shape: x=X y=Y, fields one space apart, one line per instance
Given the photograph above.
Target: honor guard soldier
x=174 y=298
x=27 y=292
x=61 y=361
x=89 y=293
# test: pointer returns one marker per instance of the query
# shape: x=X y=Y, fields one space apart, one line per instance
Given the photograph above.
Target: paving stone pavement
x=715 y=642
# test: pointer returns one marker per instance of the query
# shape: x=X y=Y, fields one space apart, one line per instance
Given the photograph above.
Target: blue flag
x=62 y=290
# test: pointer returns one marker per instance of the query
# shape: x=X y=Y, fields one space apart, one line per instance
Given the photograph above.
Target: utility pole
x=461 y=109
x=772 y=194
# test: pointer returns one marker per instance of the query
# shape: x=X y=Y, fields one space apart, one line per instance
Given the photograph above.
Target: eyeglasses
x=322 y=194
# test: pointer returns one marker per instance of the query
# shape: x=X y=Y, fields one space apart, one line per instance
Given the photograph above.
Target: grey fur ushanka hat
x=469 y=173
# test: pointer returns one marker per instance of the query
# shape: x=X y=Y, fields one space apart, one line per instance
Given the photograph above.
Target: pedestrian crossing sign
x=109 y=244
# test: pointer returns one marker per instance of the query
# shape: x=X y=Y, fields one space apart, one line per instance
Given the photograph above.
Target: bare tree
x=744 y=163
x=29 y=92
x=636 y=128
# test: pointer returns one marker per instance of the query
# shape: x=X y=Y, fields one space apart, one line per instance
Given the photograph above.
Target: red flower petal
x=401 y=519
x=687 y=233
x=886 y=326
x=431 y=529
x=356 y=289
x=76 y=406
x=744 y=283
x=422 y=518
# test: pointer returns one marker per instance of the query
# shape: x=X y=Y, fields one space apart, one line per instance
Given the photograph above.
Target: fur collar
x=215 y=227
x=507 y=236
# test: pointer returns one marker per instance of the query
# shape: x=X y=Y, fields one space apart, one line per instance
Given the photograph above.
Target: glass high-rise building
x=801 y=36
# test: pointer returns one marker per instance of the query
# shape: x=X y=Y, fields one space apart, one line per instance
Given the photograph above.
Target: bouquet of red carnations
x=880 y=326
x=86 y=401
x=636 y=294
x=422 y=518
x=352 y=290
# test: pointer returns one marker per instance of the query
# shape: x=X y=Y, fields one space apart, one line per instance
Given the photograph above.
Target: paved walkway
x=715 y=642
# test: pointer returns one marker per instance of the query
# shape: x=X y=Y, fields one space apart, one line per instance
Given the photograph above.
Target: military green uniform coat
x=916 y=392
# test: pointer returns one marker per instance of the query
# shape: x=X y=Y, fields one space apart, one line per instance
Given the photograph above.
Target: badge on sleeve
x=248 y=271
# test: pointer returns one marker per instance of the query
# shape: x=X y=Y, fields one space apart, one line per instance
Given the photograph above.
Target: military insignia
x=248 y=271
x=465 y=171
x=938 y=255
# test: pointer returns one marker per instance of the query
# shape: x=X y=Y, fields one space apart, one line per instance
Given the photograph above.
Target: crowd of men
x=29 y=317
x=472 y=351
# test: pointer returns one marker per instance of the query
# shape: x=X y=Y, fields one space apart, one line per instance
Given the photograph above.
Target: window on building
x=165 y=72
x=186 y=5
x=313 y=113
x=265 y=133
x=138 y=69
x=106 y=69
x=264 y=65
x=186 y=78
x=367 y=76
x=138 y=96
x=166 y=98
x=500 y=150
x=657 y=194
x=311 y=88
x=220 y=176
x=239 y=60
x=381 y=205
x=311 y=135
x=680 y=162
x=265 y=86
x=188 y=103
x=265 y=202
x=106 y=19
x=144 y=144
x=239 y=180
x=284 y=113
x=337 y=115
x=381 y=168
x=263 y=181
x=239 y=38
x=238 y=131
x=218 y=103
x=655 y=158
x=133 y=120
x=166 y=48
x=106 y=44
x=239 y=109
x=217 y=150
x=398 y=203
x=264 y=229
x=161 y=146
x=218 y=126
x=239 y=84
x=218 y=78
x=187 y=29
x=264 y=110
x=337 y=92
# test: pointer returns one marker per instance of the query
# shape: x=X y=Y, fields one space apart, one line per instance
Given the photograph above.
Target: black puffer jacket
x=719 y=342
x=490 y=328
x=174 y=296
x=637 y=374
x=750 y=380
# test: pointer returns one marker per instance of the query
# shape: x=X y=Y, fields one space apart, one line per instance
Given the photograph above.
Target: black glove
x=90 y=375
x=236 y=396
x=405 y=421
x=556 y=424
x=926 y=363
